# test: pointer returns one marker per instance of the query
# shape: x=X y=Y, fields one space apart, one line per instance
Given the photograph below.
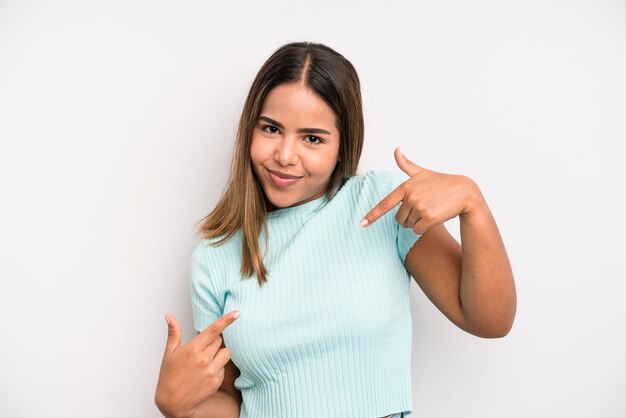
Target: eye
x=268 y=126
x=315 y=137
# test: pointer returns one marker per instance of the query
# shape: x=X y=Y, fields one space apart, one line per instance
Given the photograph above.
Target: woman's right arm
x=226 y=402
x=218 y=405
x=197 y=379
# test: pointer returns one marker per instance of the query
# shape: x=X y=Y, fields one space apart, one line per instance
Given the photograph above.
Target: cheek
x=321 y=163
x=257 y=153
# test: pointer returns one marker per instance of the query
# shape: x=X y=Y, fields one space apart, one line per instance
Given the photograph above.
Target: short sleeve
x=204 y=297
x=405 y=237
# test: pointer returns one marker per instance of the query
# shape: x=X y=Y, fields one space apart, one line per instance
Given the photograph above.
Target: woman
x=325 y=329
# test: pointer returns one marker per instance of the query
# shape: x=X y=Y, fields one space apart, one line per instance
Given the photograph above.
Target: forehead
x=297 y=106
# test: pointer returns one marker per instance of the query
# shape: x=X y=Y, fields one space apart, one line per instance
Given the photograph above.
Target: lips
x=283 y=175
x=281 y=181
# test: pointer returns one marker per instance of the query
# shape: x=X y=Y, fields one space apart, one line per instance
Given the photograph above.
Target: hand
x=192 y=372
x=428 y=197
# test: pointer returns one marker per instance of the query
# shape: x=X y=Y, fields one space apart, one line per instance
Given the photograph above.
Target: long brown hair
x=242 y=205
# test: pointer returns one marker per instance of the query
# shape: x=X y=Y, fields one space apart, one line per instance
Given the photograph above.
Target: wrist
x=474 y=201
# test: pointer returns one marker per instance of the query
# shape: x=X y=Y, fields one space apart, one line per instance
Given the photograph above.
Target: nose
x=286 y=151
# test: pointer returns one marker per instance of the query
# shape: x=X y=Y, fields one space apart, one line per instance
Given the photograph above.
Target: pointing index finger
x=212 y=331
x=389 y=202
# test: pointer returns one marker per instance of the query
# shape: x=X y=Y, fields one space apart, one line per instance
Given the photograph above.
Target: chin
x=279 y=204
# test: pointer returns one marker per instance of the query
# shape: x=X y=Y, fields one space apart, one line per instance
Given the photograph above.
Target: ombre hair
x=243 y=203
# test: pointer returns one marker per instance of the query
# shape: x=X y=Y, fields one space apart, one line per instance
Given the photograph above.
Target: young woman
x=324 y=326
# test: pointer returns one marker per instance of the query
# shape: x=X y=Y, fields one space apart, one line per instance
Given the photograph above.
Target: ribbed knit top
x=329 y=333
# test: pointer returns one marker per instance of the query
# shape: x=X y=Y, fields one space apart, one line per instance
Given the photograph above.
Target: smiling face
x=296 y=135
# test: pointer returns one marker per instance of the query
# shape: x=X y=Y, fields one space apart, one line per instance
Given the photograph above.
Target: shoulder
x=211 y=248
x=199 y=254
x=211 y=260
x=382 y=182
x=199 y=263
x=367 y=190
x=387 y=177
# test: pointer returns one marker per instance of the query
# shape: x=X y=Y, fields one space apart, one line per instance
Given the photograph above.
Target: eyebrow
x=301 y=130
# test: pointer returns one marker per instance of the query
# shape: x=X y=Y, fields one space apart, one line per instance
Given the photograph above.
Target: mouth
x=280 y=181
x=283 y=175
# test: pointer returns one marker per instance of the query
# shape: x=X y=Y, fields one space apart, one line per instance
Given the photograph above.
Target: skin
x=472 y=284
x=193 y=372
x=313 y=156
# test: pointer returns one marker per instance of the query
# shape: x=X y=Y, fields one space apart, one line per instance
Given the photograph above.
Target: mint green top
x=329 y=334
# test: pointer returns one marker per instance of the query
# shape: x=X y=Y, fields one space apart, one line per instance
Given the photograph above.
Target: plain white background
x=117 y=124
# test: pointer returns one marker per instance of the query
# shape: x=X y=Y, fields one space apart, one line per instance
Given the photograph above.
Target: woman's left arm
x=472 y=283
x=487 y=289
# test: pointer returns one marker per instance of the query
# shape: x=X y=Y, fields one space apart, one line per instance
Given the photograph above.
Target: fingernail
x=364 y=222
x=236 y=314
x=167 y=319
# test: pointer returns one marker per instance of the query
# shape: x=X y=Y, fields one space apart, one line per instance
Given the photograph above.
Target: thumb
x=174 y=334
x=406 y=165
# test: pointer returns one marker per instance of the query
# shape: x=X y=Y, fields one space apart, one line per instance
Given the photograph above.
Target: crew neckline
x=297 y=209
